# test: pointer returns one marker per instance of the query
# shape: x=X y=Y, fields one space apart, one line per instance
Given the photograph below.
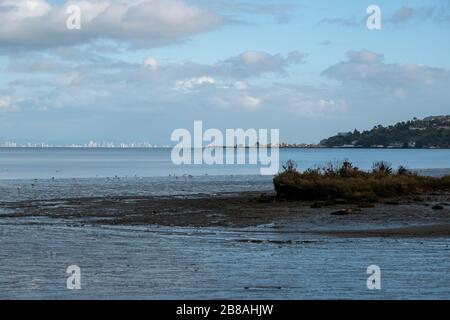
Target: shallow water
x=15 y=190
x=210 y=263
x=29 y=163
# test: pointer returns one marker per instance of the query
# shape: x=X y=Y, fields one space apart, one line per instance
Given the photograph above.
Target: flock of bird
x=115 y=178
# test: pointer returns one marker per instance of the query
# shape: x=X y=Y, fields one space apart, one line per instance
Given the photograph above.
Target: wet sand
x=415 y=216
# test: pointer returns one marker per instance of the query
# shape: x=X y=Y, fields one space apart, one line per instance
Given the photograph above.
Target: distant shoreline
x=269 y=147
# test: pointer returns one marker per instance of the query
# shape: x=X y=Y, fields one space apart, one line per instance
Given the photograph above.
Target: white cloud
x=253 y=63
x=143 y=23
x=7 y=104
x=366 y=87
x=389 y=92
x=240 y=85
x=368 y=68
x=151 y=62
x=4 y=102
x=250 y=102
x=304 y=102
x=188 y=84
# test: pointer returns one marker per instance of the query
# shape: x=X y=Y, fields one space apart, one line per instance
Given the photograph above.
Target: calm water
x=178 y=263
x=90 y=163
x=213 y=263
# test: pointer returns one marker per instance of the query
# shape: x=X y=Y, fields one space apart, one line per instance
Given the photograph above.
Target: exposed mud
x=399 y=216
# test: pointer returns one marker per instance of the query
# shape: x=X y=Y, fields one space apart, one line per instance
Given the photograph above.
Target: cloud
x=189 y=84
x=140 y=23
x=250 y=102
x=152 y=86
x=365 y=89
x=254 y=63
x=407 y=14
x=151 y=62
x=387 y=92
x=364 y=56
x=367 y=68
x=325 y=43
x=190 y=88
x=303 y=101
x=38 y=65
x=238 y=11
x=342 y=21
x=402 y=16
x=7 y=104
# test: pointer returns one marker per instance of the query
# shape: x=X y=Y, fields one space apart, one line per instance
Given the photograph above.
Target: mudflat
x=425 y=215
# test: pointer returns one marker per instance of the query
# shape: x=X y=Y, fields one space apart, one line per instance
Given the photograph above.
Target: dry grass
x=348 y=182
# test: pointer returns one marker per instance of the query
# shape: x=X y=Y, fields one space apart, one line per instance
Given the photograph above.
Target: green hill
x=431 y=132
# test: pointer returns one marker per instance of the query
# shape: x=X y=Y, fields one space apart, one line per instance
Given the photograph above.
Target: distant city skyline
x=136 y=70
x=118 y=145
x=90 y=144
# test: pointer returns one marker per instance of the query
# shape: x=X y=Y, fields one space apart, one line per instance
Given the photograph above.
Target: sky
x=138 y=69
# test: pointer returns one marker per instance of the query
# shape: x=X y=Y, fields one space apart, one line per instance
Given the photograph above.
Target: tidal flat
x=234 y=245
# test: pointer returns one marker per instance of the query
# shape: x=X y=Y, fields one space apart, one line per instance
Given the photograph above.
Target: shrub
x=403 y=171
x=382 y=168
x=290 y=166
x=348 y=182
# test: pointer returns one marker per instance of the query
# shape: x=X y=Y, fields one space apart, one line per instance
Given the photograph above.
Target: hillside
x=430 y=132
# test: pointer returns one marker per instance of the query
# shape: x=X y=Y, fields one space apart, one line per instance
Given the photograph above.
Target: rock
x=366 y=205
x=316 y=205
x=340 y=201
x=437 y=207
x=395 y=203
x=342 y=212
x=265 y=198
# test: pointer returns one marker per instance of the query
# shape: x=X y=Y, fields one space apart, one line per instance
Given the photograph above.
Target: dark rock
x=366 y=205
x=395 y=203
x=265 y=198
x=342 y=212
x=437 y=207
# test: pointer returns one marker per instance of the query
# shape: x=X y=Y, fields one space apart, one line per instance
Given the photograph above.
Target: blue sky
x=138 y=69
